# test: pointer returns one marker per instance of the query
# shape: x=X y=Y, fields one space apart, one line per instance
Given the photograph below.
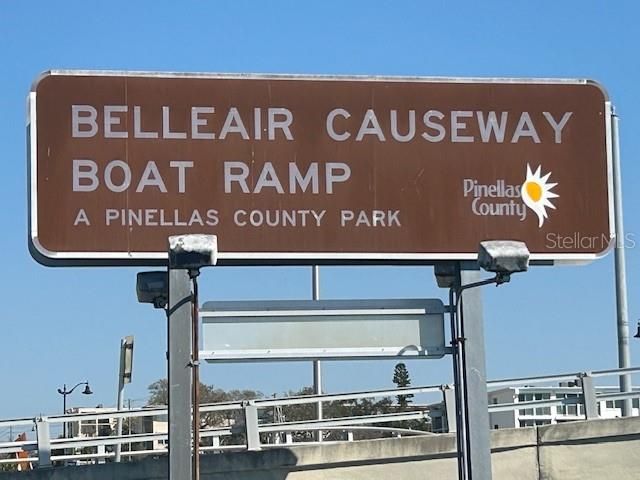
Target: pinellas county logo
x=506 y=200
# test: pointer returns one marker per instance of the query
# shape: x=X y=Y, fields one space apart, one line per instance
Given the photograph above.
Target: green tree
x=335 y=409
x=401 y=379
x=159 y=395
x=159 y=392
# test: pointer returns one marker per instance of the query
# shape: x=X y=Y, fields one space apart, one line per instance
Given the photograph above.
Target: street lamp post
x=64 y=392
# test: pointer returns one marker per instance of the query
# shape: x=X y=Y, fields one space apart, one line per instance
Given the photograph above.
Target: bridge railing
x=45 y=451
x=248 y=432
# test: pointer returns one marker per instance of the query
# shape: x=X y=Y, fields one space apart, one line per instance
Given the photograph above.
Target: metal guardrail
x=250 y=427
x=44 y=450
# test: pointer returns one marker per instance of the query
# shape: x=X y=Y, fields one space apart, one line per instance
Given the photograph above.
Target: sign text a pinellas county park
x=315 y=169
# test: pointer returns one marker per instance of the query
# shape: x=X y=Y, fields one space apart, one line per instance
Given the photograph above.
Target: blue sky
x=64 y=325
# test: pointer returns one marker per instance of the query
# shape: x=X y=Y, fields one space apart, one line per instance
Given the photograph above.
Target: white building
x=529 y=417
x=544 y=415
x=94 y=427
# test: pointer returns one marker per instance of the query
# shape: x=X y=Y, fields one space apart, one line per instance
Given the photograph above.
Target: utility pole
x=317 y=366
x=622 y=308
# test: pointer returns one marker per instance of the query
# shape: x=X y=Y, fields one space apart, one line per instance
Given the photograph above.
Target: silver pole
x=624 y=358
x=471 y=353
x=315 y=282
x=179 y=318
x=317 y=367
x=120 y=404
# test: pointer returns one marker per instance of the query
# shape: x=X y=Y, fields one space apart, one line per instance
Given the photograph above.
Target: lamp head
x=503 y=257
x=87 y=390
x=190 y=252
x=153 y=287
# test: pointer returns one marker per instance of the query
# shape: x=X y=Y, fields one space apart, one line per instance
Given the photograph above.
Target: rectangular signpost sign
x=291 y=169
x=327 y=329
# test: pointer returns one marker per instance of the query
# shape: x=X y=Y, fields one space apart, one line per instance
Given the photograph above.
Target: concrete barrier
x=594 y=450
x=598 y=449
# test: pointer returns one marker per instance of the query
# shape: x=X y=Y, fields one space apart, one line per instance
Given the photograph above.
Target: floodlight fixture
x=446 y=273
x=153 y=287
x=503 y=257
x=191 y=252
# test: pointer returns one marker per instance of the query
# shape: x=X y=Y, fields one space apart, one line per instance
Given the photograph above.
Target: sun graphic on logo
x=536 y=193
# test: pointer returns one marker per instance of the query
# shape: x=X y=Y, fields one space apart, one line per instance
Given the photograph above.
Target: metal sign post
x=473 y=379
x=179 y=317
x=187 y=254
x=317 y=366
x=624 y=356
x=473 y=439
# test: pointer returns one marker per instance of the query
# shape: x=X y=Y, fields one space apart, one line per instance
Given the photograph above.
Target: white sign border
x=51 y=258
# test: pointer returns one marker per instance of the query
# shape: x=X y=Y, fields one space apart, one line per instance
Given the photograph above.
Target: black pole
x=64 y=410
x=196 y=376
x=64 y=392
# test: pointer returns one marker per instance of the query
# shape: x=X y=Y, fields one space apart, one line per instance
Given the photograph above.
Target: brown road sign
x=287 y=169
